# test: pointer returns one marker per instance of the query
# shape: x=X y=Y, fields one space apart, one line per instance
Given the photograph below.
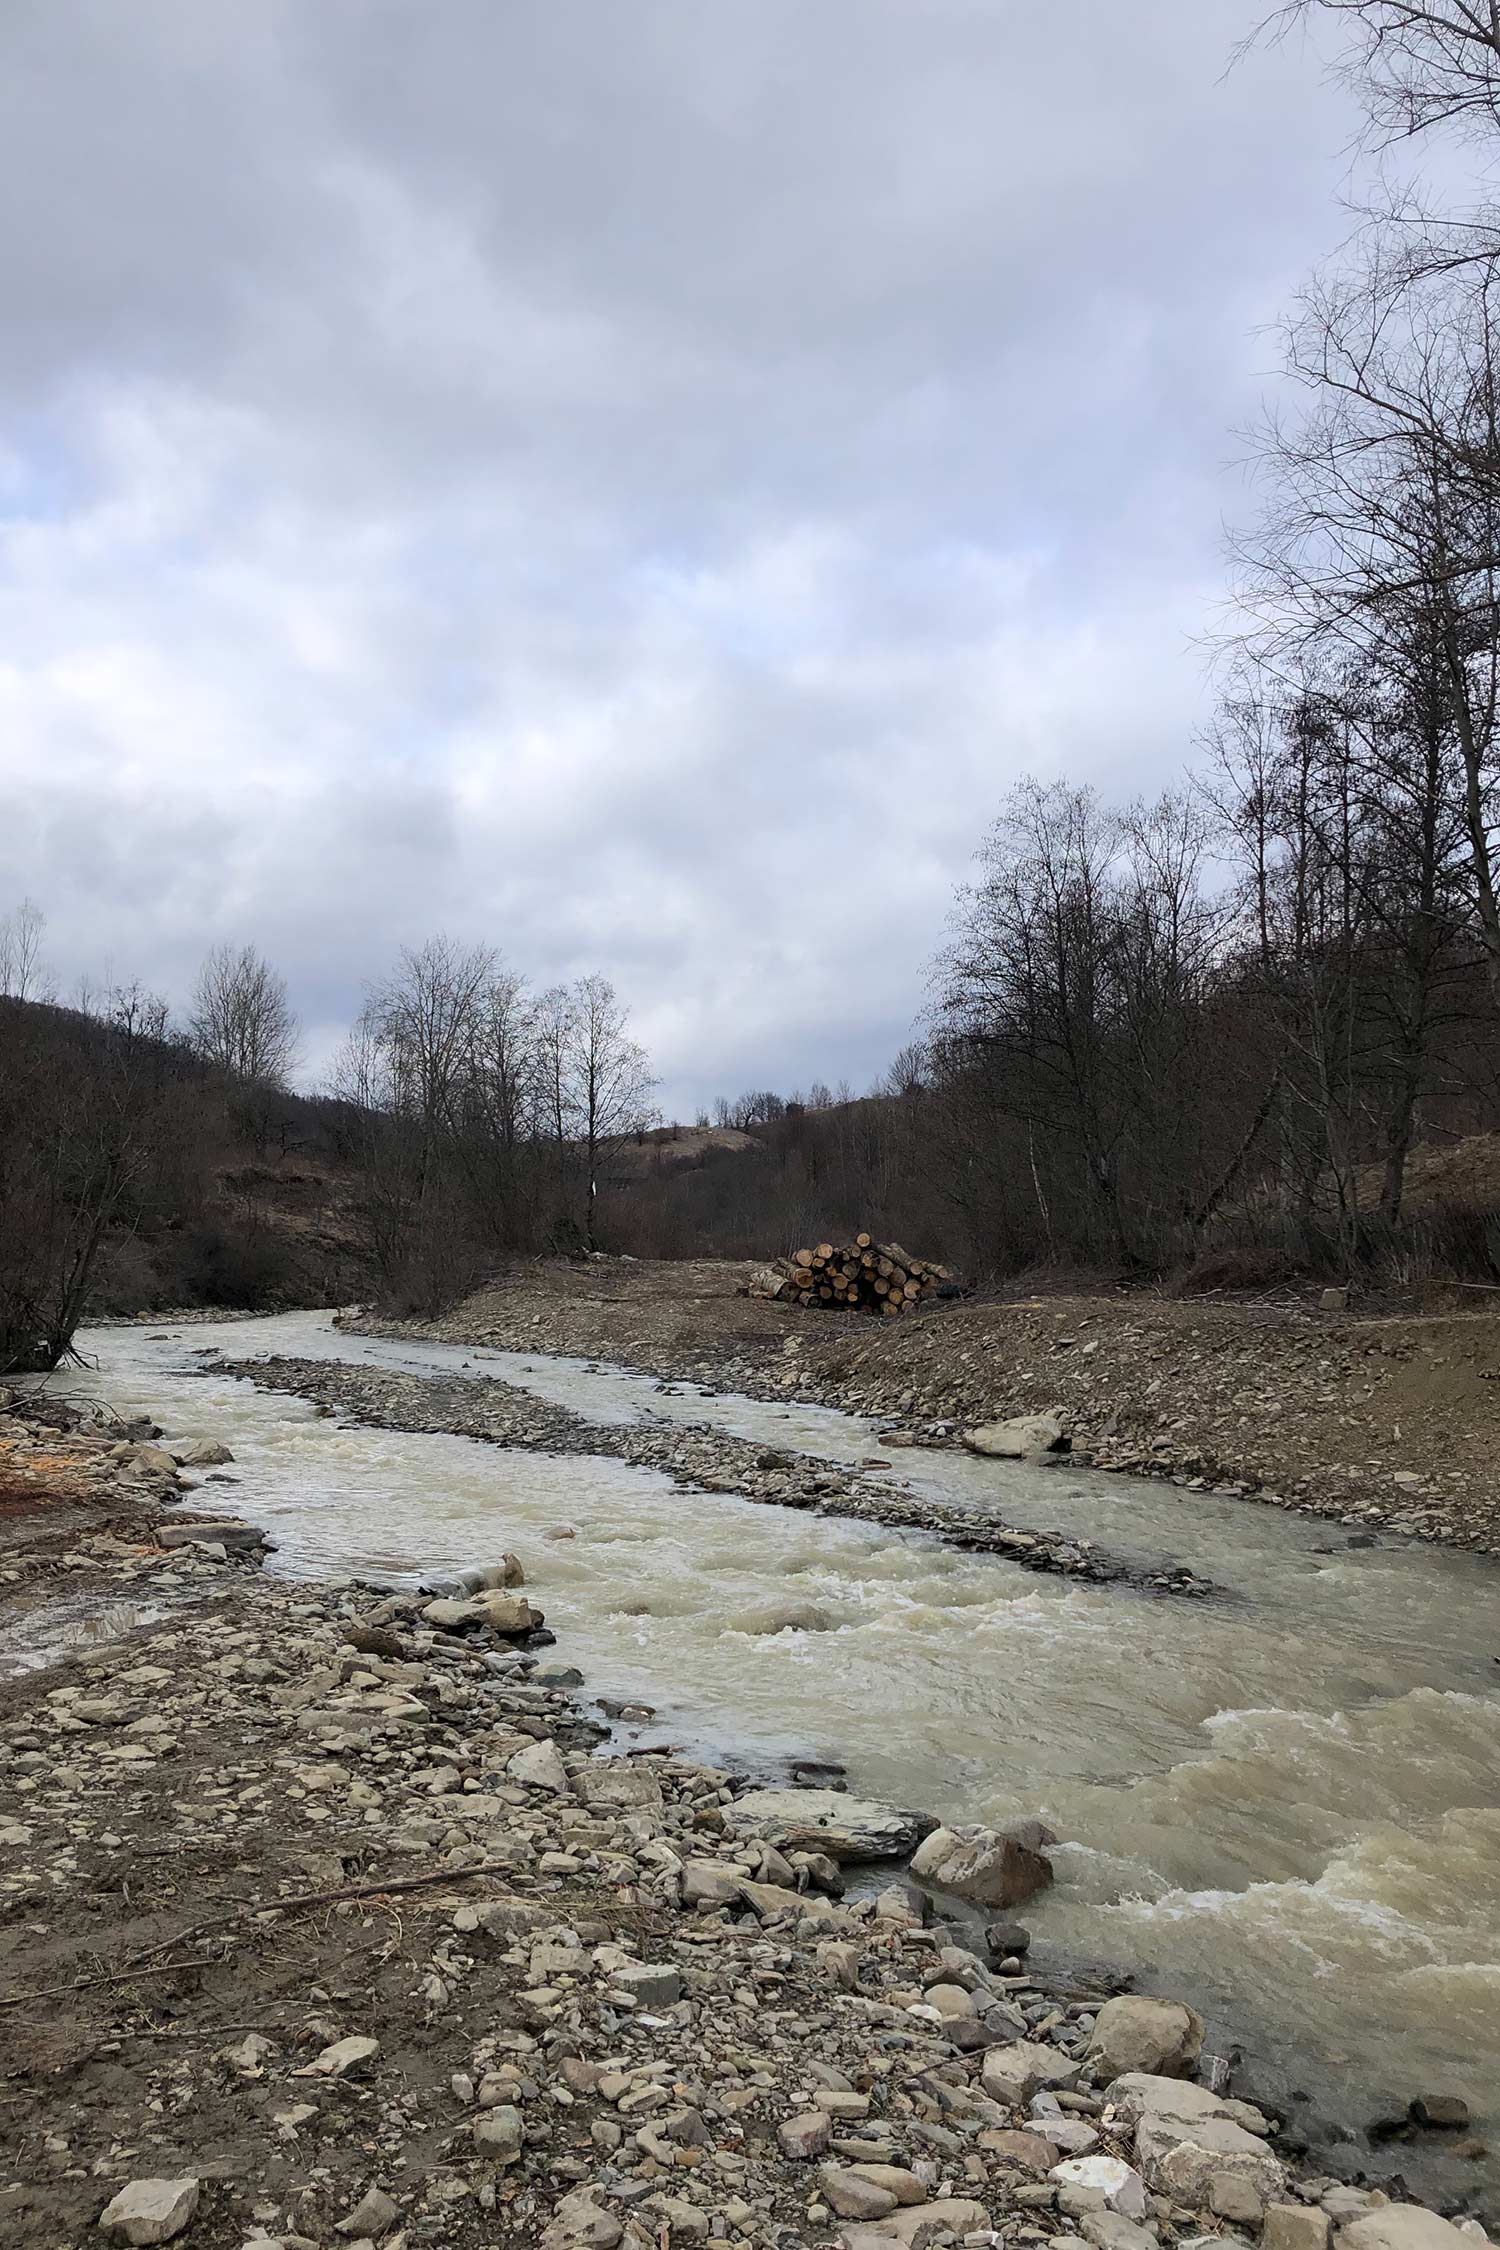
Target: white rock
x=1139 y=2094
x=1122 y=2188
x=151 y=2210
x=541 y=1767
x=1019 y=1439
x=822 y=1820
x=344 y=2055
x=1182 y=2160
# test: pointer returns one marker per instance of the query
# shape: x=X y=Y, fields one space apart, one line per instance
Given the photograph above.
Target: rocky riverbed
x=327 y=1919
x=1391 y=1421
x=498 y=1413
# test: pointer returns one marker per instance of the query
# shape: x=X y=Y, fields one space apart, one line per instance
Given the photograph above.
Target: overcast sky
x=633 y=481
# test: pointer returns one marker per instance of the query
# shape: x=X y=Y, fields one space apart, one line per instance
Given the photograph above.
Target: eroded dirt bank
x=1386 y=1421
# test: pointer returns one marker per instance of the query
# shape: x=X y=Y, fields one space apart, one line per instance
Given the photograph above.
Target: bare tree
x=22 y=975
x=612 y=1084
x=1381 y=528
x=1413 y=64
x=241 y=1019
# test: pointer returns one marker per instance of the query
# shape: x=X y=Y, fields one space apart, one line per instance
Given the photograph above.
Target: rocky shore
x=329 y=1915
x=705 y=1459
x=1391 y=1422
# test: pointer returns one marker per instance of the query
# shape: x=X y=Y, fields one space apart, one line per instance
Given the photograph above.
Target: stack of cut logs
x=860 y=1276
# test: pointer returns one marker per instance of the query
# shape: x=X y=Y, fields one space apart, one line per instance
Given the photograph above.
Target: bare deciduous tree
x=22 y=973
x=1413 y=64
x=241 y=1019
x=612 y=1084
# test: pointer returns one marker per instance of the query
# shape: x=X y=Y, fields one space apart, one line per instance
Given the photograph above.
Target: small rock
x=806 y=2136
x=343 y=2056
x=893 y=2179
x=852 y=2197
x=651 y=1984
x=498 y=2134
x=374 y=2214
x=1445 y=2113
x=1012 y=2074
x=1107 y=2230
x=1236 y=2199
x=1028 y=2151
x=579 y=2223
x=541 y=1767
x=1403 y=2226
x=1294 y=2226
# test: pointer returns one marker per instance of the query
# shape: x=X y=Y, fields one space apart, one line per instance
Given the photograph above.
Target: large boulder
x=1138 y=2094
x=1185 y=2161
x=1134 y=2033
x=848 y=1829
x=1025 y=1437
x=993 y=1867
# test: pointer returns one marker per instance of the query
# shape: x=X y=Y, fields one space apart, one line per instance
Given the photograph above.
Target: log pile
x=859 y=1276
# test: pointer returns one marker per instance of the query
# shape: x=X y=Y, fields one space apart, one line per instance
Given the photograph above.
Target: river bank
x=1392 y=1422
x=323 y=1907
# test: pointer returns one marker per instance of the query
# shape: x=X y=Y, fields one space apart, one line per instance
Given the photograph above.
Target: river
x=1283 y=1802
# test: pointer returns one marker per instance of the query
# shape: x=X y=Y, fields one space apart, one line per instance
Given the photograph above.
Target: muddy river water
x=1283 y=1802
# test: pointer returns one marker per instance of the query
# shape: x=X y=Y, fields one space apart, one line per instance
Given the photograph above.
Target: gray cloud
x=632 y=483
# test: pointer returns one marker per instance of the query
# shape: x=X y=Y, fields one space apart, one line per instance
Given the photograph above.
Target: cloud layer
x=634 y=483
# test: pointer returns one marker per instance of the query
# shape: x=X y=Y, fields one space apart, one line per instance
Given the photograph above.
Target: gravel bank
x=703 y=1459
x=1391 y=1422
x=324 y=1921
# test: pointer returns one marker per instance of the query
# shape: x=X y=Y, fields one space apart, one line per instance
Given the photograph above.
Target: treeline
x=131 y=1165
x=1207 y=1032
x=483 y=1118
x=148 y=1160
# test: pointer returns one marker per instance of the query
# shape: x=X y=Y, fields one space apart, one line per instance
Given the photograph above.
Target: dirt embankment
x=1389 y=1421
